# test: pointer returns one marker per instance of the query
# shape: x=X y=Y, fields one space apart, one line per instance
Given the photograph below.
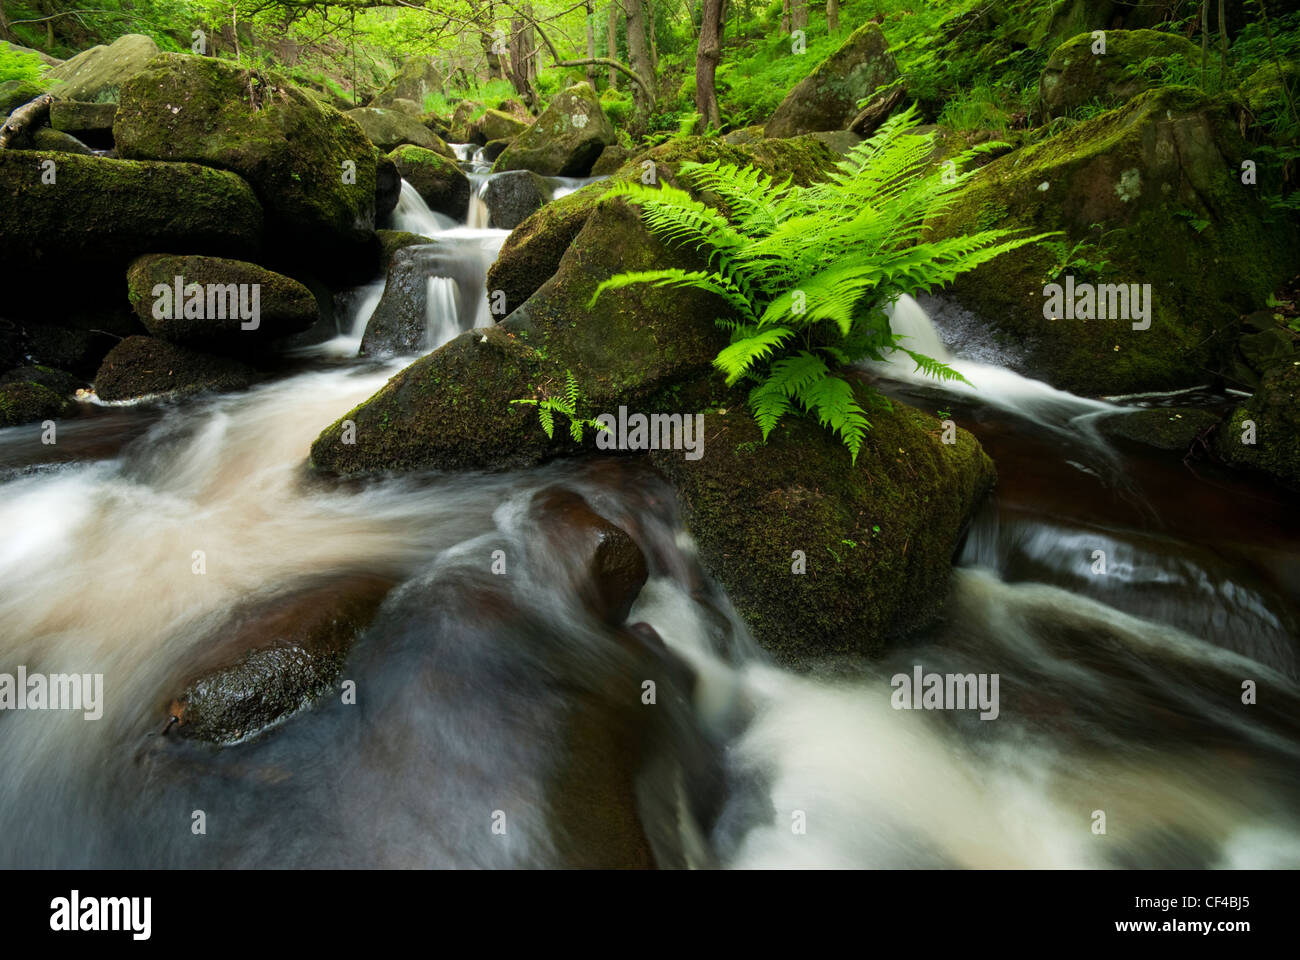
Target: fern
x=567 y=404
x=808 y=271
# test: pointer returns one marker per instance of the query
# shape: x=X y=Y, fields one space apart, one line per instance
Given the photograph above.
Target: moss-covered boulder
x=238 y=307
x=60 y=381
x=1160 y=179
x=419 y=77
x=499 y=125
x=56 y=141
x=100 y=211
x=820 y=556
x=532 y=252
x=827 y=99
x=565 y=140
x=461 y=128
x=311 y=166
x=147 y=366
x=390 y=241
x=611 y=160
x=14 y=93
x=1264 y=432
x=388 y=129
x=27 y=402
x=651 y=349
x=1075 y=76
x=511 y=197
x=439 y=181
x=80 y=119
x=99 y=73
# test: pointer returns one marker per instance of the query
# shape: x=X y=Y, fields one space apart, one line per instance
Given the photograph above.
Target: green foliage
x=565 y=403
x=16 y=65
x=1075 y=258
x=809 y=272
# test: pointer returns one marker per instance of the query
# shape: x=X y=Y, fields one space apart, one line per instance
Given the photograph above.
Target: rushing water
x=480 y=694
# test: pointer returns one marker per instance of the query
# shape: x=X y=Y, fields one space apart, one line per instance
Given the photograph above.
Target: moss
x=1075 y=76
x=28 y=402
x=390 y=241
x=554 y=145
x=144 y=366
x=1184 y=147
x=1274 y=410
x=877 y=538
x=438 y=180
x=291 y=149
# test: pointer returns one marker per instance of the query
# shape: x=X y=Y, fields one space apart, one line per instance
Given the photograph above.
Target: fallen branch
x=25 y=116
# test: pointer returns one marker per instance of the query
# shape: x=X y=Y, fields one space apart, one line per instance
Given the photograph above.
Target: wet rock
x=388 y=185
x=877 y=539
x=1174 y=429
x=605 y=567
x=439 y=181
x=390 y=241
x=60 y=381
x=1263 y=434
x=400 y=323
x=827 y=99
x=145 y=366
x=511 y=197
x=494 y=148
x=273 y=658
x=565 y=140
x=98 y=74
x=285 y=306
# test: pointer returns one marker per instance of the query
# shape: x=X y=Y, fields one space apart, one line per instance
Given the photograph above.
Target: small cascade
x=413 y=215
x=441 y=310
x=479 y=216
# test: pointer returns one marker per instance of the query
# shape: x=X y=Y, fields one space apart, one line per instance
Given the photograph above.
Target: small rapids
x=485 y=695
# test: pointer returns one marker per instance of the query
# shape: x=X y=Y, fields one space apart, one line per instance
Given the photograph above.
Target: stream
x=1120 y=691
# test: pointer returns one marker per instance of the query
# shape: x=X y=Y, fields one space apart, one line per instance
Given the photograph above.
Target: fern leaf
x=736 y=359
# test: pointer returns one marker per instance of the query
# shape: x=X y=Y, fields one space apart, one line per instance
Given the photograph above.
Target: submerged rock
x=827 y=99
x=565 y=140
x=1174 y=429
x=439 y=181
x=280 y=655
x=874 y=541
x=145 y=366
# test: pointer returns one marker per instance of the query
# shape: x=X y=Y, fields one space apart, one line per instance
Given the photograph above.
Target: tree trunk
x=654 y=40
x=523 y=57
x=592 y=72
x=799 y=14
x=1205 y=37
x=707 y=55
x=785 y=17
x=484 y=16
x=832 y=15
x=5 y=33
x=612 y=44
x=29 y=115
x=1223 y=45
x=638 y=56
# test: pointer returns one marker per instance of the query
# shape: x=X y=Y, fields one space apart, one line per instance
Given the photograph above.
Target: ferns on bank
x=811 y=271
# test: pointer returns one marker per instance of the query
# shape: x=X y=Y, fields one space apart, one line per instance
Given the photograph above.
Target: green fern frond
x=753 y=345
x=547 y=417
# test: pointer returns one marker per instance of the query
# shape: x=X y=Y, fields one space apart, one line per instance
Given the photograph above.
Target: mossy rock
x=27 y=402
x=462 y=127
x=1075 y=76
x=147 y=366
x=611 y=159
x=418 y=77
x=533 y=250
x=15 y=93
x=99 y=73
x=285 y=306
x=60 y=381
x=56 y=141
x=436 y=124
x=312 y=167
x=390 y=241
x=78 y=118
x=110 y=211
x=499 y=125
x=1263 y=434
x=875 y=539
x=565 y=140
x=1159 y=167
x=388 y=129
x=650 y=348
x=827 y=99
x=1172 y=429
x=439 y=181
